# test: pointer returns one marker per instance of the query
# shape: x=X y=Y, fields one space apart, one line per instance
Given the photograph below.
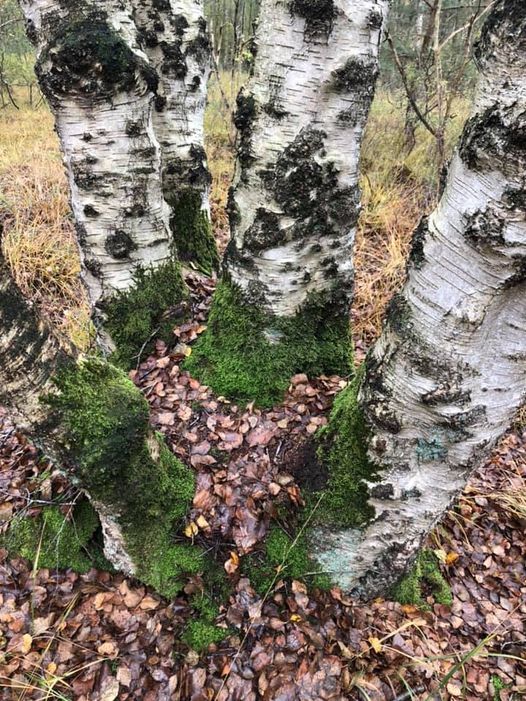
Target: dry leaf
x=191 y=530
x=376 y=644
x=27 y=642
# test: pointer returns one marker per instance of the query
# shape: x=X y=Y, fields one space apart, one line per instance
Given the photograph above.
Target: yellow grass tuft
x=38 y=236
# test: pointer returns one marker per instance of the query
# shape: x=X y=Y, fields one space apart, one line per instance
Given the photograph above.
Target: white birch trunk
x=448 y=373
x=101 y=90
x=30 y=357
x=295 y=203
x=174 y=36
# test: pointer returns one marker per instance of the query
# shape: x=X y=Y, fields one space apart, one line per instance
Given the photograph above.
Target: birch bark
x=89 y=418
x=447 y=375
x=101 y=87
x=301 y=120
x=295 y=201
x=174 y=36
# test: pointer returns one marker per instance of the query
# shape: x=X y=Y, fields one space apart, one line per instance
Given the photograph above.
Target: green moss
x=53 y=541
x=131 y=471
x=199 y=635
x=424 y=578
x=498 y=686
x=146 y=310
x=283 y=558
x=343 y=451
x=193 y=232
x=237 y=359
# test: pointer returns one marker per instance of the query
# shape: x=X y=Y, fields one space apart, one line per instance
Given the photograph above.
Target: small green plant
x=424 y=578
x=283 y=557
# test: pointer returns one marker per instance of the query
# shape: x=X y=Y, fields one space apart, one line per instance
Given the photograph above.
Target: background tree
x=447 y=375
x=295 y=203
x=429 y=57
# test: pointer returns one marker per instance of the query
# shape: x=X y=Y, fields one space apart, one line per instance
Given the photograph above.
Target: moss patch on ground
x=193 y=232
x=147 y=310
x=201 y=632
x=283 y=557
x=424 y=579
x=53 y=540
x=247 y=354
x=343 y=451
x=129 y=469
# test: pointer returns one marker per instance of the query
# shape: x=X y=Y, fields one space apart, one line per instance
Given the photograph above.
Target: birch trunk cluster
x=126 y=83
x=448 y=373
x=295 y=201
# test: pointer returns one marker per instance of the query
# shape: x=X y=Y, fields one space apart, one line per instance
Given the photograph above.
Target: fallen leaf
x=27 y=642
x=376 y=644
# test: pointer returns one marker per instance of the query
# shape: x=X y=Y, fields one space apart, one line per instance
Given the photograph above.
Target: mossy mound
x=147 y=310
x=52 y=540
x=343 y=451
x=128 y=469
x=424 y=579
x=247 y=354
x=284 y=557
x=201 y=632
x=193 y=232
x=199 y=635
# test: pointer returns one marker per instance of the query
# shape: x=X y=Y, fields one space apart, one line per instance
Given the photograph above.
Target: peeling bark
x=295 y=202
x=443 y=382
x=101 y=88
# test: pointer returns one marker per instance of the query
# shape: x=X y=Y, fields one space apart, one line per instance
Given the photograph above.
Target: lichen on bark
x=249 y=354
x=86 y=57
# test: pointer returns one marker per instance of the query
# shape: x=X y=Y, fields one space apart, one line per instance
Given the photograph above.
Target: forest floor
x=101 y=636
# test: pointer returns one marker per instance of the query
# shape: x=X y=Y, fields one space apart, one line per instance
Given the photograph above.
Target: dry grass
x=38 y=235
x=397 y=190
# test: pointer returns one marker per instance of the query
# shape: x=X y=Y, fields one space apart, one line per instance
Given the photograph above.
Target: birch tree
x=283 y=305
x=102 y=87
x=175 y=38
x=94 y=423
x=447 y=375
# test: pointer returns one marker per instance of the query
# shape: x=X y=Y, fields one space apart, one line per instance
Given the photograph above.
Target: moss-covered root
x=342 y=451
x=283 y=557
x=424 y=579
x=192 y=231
x=147 y=310
x=247 y=354
x=54 y=540
x=126 y=468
